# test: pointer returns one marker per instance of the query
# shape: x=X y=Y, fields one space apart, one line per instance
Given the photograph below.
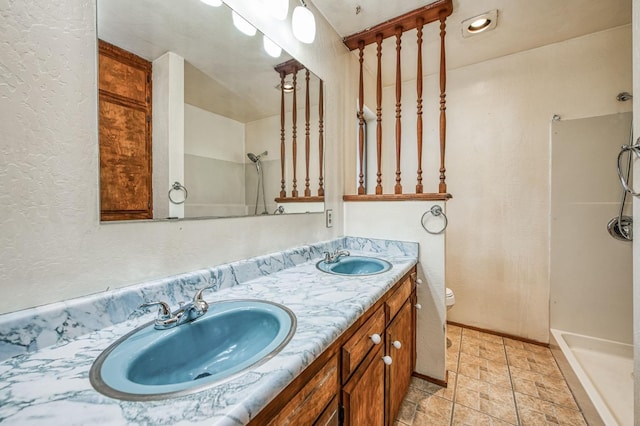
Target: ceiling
x=239 y=67
x=522 y=24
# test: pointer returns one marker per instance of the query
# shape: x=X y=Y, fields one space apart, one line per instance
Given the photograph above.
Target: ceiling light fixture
x=242 y=25
x=303 y=23
x=480 y=23
x=279 y=9
x=270 y=47
x=214 y=3
x=287 y=87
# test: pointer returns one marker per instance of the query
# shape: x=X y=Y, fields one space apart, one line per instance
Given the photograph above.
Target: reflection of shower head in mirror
x=255 y=158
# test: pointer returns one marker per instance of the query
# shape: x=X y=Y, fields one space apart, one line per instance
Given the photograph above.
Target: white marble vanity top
x=51 y=385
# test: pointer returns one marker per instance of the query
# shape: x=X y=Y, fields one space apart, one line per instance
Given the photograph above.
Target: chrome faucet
x=335 y=256
x=185 y=313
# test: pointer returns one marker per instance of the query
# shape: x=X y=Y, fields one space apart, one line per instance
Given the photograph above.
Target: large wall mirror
x=191 y=106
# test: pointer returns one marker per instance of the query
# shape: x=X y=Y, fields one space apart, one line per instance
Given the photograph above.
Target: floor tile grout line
x=513 y=387
x=455 y=385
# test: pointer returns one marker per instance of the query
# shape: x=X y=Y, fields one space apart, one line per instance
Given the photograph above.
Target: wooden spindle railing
x=321 y=138
x=283 y=192
x=361 y=189
x=292 y=67
x=437 y=11
x=294 y=143
x=398 y=188
x=307 y=142
x=419 y=187
x=443 y=103
x=379 y=115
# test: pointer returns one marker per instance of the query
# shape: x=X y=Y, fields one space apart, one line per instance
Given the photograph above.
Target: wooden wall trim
x=443 y=383
x=429 y=13
x=398 y=197
x=311 y=199
x=498 y=333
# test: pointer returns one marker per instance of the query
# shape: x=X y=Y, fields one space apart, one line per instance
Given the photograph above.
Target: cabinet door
x=316 y=402
x=400 y=348
x=125 y=134
x=363 y=395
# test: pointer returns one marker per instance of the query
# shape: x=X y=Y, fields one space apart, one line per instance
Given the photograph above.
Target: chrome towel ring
x=624 y=180
x=177 y=186
x=436 y=211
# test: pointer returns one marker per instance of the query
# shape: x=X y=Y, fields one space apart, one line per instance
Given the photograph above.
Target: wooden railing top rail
x=436 y=196
x=429 y=13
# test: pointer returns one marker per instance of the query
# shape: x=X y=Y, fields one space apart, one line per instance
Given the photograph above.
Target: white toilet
x=450 y=299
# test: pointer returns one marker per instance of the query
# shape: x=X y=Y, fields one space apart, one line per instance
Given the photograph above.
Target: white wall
x=214 y=164
x=402 y=221
x=52 y=245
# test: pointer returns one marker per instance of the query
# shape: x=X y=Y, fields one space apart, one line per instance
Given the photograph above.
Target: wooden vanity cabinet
x=358 y=380
x=400 y=347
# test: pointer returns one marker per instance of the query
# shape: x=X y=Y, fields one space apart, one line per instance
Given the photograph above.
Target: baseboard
x=438 y=382
x=497 y=333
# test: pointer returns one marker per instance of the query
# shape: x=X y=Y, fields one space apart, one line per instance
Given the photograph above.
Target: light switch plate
x=329 y=217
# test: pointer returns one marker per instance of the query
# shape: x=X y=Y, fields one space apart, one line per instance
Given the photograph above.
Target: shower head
x=255 y=158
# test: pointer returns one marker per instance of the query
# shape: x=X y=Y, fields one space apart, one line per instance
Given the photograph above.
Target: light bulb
x=242 y=25
x=303 y=24
x=214 y=3
x=270 y=47
x=277 y=8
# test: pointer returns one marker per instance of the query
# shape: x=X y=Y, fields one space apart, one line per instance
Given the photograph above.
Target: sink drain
x=202 y=375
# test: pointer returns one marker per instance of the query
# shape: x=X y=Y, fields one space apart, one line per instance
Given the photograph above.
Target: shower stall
x=256 y=159
x=591 y=291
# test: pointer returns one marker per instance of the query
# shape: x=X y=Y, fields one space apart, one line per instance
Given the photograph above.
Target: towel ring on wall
x=635 y=149
x=436 y=211
x=177 y=186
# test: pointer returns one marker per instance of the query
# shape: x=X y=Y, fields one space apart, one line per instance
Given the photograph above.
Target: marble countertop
x=51 y=385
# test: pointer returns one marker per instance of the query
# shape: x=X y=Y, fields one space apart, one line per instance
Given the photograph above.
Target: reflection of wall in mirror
x=214 y=164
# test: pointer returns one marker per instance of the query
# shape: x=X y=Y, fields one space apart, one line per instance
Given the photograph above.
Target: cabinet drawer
x=357 y=347
x=308 y=405
x=397 y=299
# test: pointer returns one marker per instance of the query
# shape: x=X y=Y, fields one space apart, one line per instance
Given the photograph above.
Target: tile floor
x=492 y=381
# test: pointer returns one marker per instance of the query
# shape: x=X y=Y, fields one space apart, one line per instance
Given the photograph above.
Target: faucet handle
x=199 y=301
x=164 y=312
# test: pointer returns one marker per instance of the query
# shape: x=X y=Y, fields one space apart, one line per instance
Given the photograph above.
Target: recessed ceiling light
x=480 y=23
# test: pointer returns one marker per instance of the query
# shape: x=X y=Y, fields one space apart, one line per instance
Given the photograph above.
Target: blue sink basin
x=355 y=265
x=230 y=338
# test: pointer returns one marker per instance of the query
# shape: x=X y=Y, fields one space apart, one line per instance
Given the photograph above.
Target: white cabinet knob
x=396 y=344
x=419 y=281
x=387 y=359
x=375 y=338
x=418 y=306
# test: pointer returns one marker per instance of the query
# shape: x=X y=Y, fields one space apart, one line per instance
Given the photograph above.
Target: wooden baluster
x=307 y=145
x=283 y=193
x=294 y=114
x=398 y=187
x=361 y=188
x=442 y=187
x=379 y=115
x=419 y=188
x=321 y=137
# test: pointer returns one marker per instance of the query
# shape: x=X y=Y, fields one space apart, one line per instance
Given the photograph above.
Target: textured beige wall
x=51 y=244
x=498 y=163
